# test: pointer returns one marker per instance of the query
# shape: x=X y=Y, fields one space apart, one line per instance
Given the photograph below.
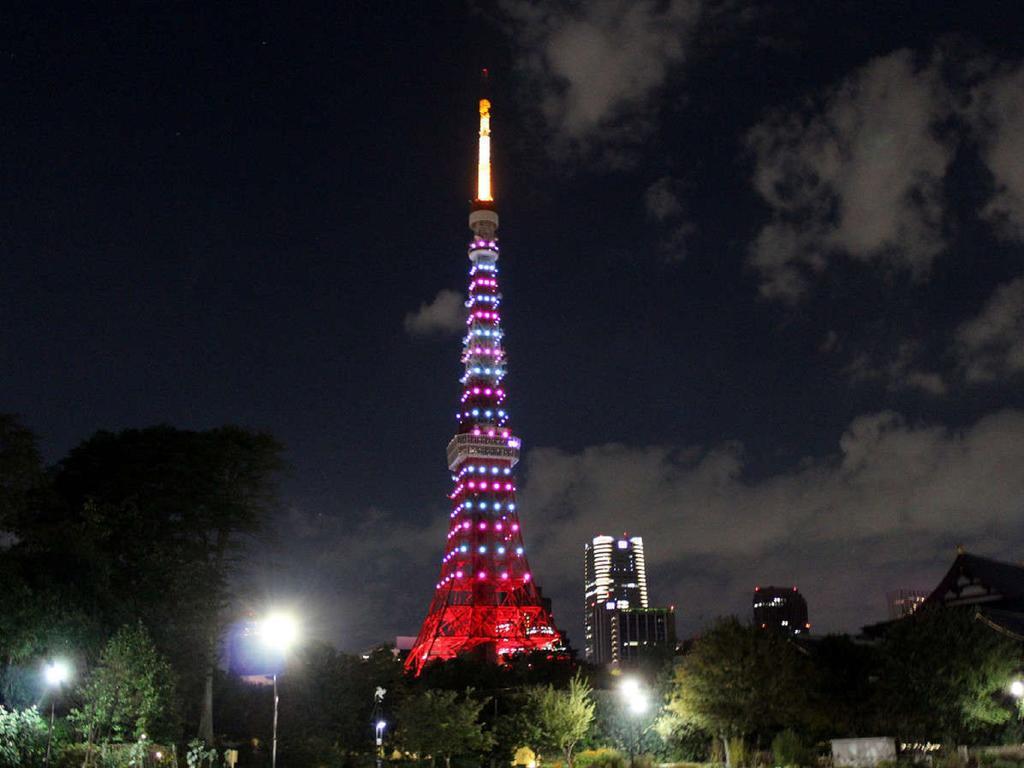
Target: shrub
x=737 y=752
x=600 y=758
x=22 y=738
x=789 y=749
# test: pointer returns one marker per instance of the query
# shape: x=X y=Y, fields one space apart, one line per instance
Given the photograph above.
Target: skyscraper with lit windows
x=615 y=578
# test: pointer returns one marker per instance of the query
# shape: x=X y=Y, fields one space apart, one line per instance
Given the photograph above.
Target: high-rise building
x=615 y=579
x=485 y=600
x=781 y=609
x=622 y=635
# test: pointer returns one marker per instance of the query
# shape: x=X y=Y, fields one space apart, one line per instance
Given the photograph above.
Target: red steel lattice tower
x=485 y=601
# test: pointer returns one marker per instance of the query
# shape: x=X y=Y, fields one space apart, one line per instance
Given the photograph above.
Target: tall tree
x=153 y=521
x=21 y=472
x=442 y=723
x=129 y=694
x=945 y=676
x=740 y=681
x=562 y=718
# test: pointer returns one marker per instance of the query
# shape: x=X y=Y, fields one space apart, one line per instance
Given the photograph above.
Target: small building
x=903 y=602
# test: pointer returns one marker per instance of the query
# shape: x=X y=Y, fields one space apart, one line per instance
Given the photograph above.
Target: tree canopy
x=130 y=693
x=561 y=718
x=437 y=723
x=945 y=676
x=739 y=681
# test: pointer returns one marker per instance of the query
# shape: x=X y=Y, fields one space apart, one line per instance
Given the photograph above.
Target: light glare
x=279 y=631
x=57 y=673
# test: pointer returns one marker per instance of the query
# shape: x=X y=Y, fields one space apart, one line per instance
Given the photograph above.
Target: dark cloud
x=877 y=515
x=998 y=111
x=991 y=346
x=901 y=371
x=665 y=201
x=363 y=577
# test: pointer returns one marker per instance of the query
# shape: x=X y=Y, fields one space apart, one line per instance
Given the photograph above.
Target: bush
x=789 y=749
x=737 y=752
x=600 y=758
x=22 y=738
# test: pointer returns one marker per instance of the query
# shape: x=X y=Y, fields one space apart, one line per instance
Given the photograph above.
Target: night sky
x=763 y=267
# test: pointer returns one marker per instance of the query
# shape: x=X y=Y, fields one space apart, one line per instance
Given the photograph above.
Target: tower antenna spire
x=483 y=168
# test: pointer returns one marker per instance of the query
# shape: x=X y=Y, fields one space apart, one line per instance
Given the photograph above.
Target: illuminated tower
x=485 y=601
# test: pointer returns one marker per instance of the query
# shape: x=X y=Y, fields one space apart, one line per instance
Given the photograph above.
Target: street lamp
x=1017 y=689
x=56 y=673
x=379 y=724
x=638 y=702
x=278 y=631
x=378 y=730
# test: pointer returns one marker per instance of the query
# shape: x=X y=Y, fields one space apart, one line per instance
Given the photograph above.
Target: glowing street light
x=278 y=632
x=1017 y=689
x=638 y=702
x=55 y=673
x=636 y=698
x=379 y=723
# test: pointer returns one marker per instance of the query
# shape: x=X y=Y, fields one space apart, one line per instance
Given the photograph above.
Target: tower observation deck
x=485 y=601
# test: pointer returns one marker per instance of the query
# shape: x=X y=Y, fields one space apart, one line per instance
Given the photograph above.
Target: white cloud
x=882 y=513
x=445 y=314
x=597 y=66
x=991 y=345
x=858 y=172
x=999 y=119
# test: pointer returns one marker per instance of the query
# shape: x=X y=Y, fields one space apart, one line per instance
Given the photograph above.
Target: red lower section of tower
x=519 y=625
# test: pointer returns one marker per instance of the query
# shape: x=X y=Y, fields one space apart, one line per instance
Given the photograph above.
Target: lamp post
x=379 y=723
x=637 y=701
x=56 y=673
x=278 y=632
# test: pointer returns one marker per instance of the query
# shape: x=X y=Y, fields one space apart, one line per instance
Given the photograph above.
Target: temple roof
x=976 y=580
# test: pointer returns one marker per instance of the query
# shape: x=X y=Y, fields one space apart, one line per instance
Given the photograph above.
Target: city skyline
x=763 y=265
